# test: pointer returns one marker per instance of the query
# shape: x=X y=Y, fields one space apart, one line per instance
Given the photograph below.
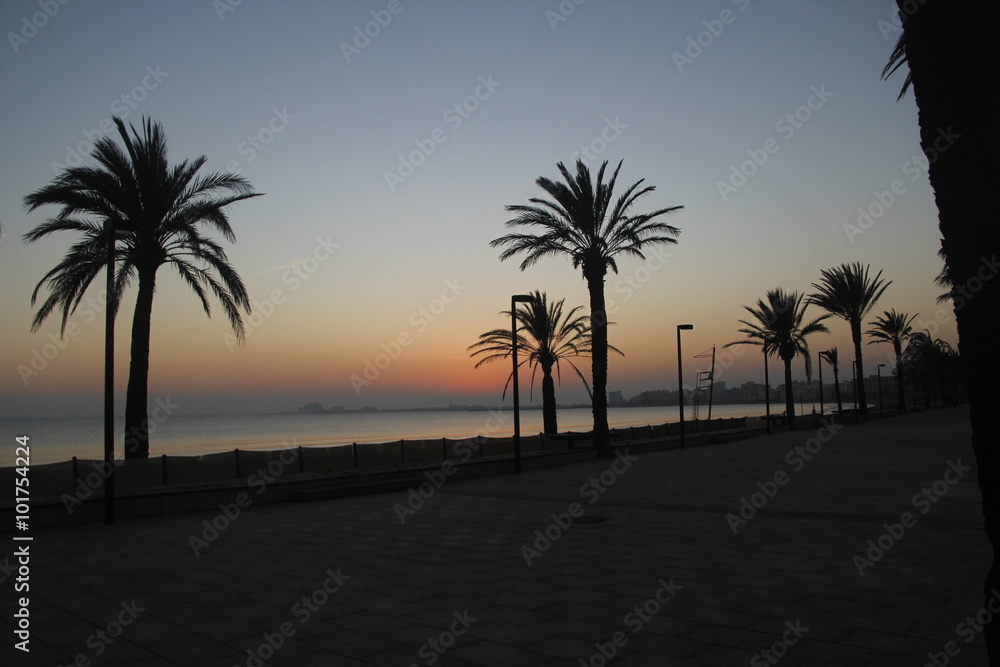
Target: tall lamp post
x=881 y=410
x=514 y=300
x=680 y=376
x=114 y=232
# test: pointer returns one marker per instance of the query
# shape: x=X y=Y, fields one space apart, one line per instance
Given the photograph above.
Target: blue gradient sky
x=340 y=264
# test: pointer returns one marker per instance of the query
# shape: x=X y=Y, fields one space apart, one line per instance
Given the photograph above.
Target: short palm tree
x=583 y=222
x=166 y=208
x=780 y=330
x=831 y=358
x=930 y=359
x=847 y=292
x=893 y=328
x=548 y=337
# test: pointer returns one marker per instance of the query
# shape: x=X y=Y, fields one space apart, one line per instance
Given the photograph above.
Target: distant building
x=615 y=399
x=753 y=391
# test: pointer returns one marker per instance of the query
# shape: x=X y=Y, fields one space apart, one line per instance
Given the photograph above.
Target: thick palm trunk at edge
x=136 y=400
x=951 y=57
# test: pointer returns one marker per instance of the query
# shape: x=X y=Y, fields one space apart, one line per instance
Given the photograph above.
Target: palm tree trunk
x=951 y=55
x=836 y=389
x=136 y=400
x=897 y=348
x=599 y=359
x=862 y=400
x=789 y=394
x=550 y=424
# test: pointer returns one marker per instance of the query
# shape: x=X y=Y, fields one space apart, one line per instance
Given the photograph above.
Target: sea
x=60 y=439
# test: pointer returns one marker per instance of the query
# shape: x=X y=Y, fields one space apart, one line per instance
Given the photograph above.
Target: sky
x=388 y=136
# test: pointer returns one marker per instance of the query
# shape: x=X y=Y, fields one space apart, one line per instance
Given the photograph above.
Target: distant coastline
x=645 y=400
x=317 y=409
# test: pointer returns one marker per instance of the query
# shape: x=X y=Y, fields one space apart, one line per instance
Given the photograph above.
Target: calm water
x=61 y=439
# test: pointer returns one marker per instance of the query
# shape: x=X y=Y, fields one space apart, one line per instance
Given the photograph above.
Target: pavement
x=856 y=545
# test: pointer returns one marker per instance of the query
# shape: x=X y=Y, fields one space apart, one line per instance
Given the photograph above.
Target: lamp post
x=680 y=376
x=114 y=232
x=881 y=410
x=514 y=300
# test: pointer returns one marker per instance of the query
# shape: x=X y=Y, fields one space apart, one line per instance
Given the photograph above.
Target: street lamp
x=881 y=410
x=114 y=232
x=514 y=300
x=680 y=376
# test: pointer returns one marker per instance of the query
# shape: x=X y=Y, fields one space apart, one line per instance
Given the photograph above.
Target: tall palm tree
x=831 y=357
x=893 y=328
x=166 y=207
x=549 y=338
x=583 y=222
x=780 y=330
x=950 y=50
x=847 y=292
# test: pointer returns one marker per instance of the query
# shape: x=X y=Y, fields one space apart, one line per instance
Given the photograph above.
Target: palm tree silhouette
x=832 y=357
x=166 y=206
x=550 y=337
x=584 y=223
x=894 y=328
x=780 y=330
x=930 y=359
x=847 y=292
x=950 y=50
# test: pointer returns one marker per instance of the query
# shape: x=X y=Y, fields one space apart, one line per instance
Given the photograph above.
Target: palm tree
x=780 y=330
x=847 y=292
x=894 y=328
x=584 y=223
x=831 y=357
x=928 y=358
x=166 y=207
x=551 y=337
x=949 y=48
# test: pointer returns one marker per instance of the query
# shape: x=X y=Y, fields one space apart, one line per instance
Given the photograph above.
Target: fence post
x=444 y=450
x=402 y=457
x=237 y=456
x=354 y=454
x=163 y=469
x=76 y=472
x=301 y=462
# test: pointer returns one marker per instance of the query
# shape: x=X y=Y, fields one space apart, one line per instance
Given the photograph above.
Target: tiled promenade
x=344 y=582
